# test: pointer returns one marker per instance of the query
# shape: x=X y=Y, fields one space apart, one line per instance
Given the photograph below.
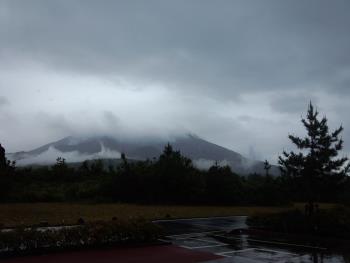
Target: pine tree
x=267 y=167
x=6 y=166
x=60 y=168
x=3 y=161
x=315 y=167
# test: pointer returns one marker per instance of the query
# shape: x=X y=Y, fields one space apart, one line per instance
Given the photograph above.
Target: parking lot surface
x=211 y=235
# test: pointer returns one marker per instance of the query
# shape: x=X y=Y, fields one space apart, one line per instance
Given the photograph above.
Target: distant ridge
x=75 y=149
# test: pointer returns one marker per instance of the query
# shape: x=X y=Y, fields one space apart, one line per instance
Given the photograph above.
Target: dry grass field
x=68 y=213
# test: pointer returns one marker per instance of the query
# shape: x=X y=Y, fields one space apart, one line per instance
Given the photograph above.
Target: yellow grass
x=66 y=213
x=58 y=213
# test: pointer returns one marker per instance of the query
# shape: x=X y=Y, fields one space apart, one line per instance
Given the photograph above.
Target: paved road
x=200 y=225
x=210 y=235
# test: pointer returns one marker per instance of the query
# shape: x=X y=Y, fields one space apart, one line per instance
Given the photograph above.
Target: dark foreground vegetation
x=324 y=223
x=23 y=241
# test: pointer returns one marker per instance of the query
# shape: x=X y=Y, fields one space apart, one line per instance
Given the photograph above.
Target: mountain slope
x=203 y=153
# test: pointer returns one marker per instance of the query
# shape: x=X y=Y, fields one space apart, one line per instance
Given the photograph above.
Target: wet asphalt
x=211 y=235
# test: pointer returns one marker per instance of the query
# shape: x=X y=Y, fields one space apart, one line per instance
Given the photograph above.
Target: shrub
x=97 y=234
x=330 y=223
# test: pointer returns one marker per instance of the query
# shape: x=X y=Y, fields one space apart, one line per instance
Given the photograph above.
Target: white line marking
x=207 y=241
x=234 y=251
x=163 y=240
x=287 y=244
x=215 y=227
x=275 y=251
x=224 y=255
x=205 y=246
x=279 y=243
x=258 y=249
x=195 y=233
x=197 y=218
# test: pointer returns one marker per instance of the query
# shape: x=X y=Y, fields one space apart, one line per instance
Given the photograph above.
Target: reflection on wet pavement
x=211 y=235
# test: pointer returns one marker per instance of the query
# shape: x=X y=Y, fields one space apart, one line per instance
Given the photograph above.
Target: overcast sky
x=237 y=73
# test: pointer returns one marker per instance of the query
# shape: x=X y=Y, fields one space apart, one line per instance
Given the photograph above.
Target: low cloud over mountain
x=74 y=149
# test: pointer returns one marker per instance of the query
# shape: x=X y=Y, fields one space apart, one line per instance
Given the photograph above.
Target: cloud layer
x=238 y=73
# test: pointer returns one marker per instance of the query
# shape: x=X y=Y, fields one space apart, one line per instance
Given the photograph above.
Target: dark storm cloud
x=261 y=59
x=3 y=101
x=223 y=47
x=292 y=103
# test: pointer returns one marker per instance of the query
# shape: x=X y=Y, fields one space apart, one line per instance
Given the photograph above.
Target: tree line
x=171 y=179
